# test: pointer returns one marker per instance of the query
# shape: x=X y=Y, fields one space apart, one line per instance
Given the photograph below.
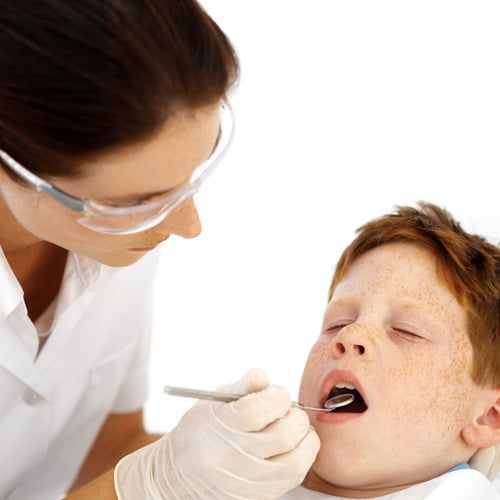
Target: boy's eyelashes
x=336 y=328
x=407 y=333
x=400 y=331
x=409 y=330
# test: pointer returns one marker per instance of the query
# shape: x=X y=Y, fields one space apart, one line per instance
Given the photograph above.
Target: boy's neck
x=316 y=483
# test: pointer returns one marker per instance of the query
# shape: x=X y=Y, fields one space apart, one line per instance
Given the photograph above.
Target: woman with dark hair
x=112 y=115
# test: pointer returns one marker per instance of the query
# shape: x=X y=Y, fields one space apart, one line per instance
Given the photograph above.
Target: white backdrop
x=343 y=110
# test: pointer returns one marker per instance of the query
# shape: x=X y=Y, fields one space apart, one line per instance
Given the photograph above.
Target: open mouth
x=357 y=406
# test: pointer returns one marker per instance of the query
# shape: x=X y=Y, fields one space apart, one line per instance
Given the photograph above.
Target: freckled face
x=414 y=366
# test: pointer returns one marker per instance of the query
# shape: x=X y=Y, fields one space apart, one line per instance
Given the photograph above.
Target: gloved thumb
x=254 y=380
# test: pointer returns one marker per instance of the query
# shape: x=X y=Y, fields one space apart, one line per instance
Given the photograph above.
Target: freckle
x=318 y=354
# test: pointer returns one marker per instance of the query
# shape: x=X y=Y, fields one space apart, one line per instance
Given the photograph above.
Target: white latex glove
x=255 y=448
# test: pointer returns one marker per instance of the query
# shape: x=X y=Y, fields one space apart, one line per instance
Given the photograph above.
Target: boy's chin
x=365 y=475
x=337 y=478
x=351 y=488
x=355 y=471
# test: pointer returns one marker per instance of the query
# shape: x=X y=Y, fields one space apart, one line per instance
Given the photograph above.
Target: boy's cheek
x=431 y=392
x=314 y=370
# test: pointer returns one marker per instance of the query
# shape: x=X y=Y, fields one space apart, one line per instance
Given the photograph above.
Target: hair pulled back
x=79 y=78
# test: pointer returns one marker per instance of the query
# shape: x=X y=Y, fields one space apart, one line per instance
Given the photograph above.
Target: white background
x=343 y=110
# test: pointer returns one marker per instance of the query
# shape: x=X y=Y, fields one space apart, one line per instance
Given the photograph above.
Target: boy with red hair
x=412 y=329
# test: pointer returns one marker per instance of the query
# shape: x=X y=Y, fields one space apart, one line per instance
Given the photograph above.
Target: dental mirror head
x=338 y=401
x=330 y=404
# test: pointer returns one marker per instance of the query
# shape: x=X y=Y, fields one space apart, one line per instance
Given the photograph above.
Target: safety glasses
x=111 y=219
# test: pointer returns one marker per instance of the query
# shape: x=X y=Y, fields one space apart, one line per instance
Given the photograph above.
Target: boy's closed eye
x=407 y=334
x=337 y=327
x=407 y=331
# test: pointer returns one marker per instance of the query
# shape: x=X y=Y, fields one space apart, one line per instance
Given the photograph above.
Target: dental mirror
x=330 y=404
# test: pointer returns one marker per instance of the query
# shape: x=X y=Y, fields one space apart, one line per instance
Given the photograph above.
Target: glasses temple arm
x=39 y=184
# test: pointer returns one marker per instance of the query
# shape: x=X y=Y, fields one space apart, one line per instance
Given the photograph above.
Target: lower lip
x=337 y=418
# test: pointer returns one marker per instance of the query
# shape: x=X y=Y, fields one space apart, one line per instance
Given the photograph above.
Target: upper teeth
x=346 y=385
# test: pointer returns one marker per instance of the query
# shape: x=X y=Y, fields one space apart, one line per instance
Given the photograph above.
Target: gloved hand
x=254 y=448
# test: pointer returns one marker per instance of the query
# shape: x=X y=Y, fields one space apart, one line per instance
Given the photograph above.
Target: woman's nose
x=184 y=222
x=352 y=340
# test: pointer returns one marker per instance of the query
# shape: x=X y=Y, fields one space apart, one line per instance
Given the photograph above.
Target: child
x=412 y=329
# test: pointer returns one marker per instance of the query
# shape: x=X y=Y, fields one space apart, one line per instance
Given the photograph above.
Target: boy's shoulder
x=464 y=484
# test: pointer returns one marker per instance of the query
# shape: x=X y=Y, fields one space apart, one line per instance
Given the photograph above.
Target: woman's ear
x=484 y=431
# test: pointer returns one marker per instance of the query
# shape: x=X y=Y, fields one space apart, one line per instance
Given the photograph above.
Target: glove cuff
x=133 y=476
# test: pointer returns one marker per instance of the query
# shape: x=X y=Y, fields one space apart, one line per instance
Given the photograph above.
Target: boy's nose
x=352 y=340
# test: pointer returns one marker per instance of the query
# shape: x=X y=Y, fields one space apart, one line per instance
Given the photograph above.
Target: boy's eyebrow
x=143 y=197
x=411 y=305
x=341 y=302
x=406 y=303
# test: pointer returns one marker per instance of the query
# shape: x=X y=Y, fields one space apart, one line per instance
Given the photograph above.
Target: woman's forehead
x=153 y=166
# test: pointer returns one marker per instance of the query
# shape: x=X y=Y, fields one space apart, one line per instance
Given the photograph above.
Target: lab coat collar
x=88 y=270
x=15 y=354
x=11 y=292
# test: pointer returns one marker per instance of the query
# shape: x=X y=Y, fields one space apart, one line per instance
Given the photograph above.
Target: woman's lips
x=144 y=249
x=147 y=249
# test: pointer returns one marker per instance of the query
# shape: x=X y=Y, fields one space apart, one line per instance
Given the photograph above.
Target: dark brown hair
x=467 y=263
x=79 y=78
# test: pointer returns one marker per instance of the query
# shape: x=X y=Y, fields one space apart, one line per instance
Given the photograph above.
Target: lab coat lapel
x=16 y=359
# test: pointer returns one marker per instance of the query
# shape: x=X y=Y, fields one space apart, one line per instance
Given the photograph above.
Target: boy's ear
x=484 y=431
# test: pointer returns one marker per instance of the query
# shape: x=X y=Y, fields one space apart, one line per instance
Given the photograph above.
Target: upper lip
x=149 y=246
x=334 y=376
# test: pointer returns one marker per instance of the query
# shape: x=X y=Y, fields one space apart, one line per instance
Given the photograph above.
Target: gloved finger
x=254 y=380
x=298 y=461
x=280 y=437
x=254 y=411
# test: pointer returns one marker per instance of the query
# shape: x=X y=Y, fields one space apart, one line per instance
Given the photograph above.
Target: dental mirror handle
x=336 y=402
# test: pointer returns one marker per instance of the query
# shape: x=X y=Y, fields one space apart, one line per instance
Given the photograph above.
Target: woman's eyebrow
x=140 y=197
x=143 y=197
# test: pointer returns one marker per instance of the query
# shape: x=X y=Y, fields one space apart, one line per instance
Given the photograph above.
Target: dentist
x=113 y=113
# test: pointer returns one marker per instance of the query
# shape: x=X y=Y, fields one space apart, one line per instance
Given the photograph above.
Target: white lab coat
x=93 y=363
x=464 y=484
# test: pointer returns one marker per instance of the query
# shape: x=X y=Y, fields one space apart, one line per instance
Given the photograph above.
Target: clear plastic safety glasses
x=110 y=219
